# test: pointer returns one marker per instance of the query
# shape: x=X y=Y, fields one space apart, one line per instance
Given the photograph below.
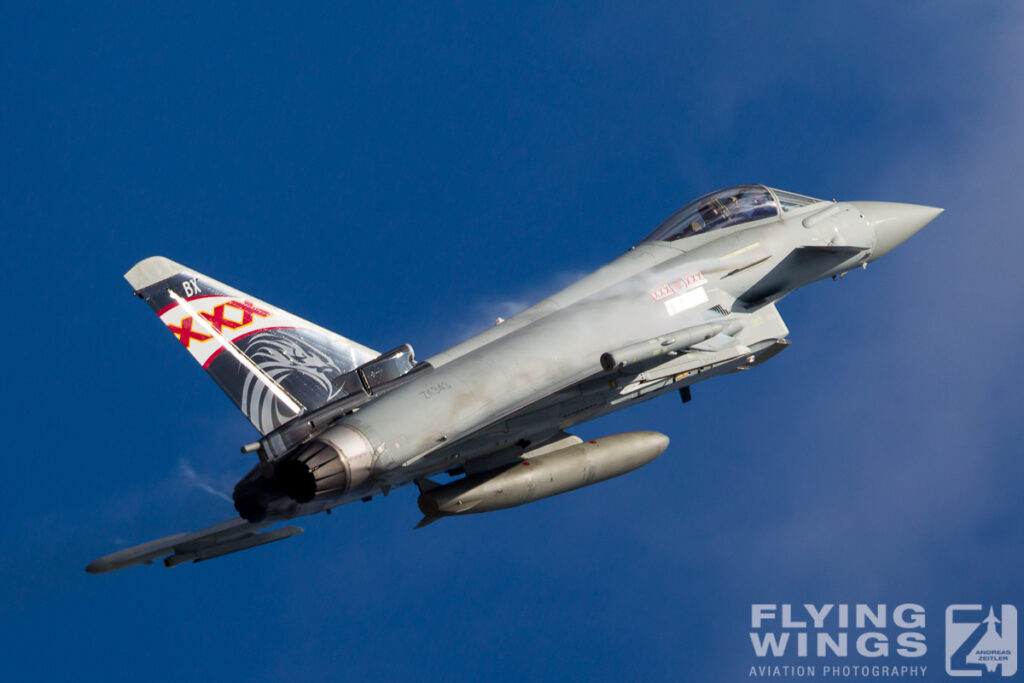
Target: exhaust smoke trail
x=196 y=481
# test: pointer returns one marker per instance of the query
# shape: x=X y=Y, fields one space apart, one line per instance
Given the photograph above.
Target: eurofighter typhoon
x=340 y=422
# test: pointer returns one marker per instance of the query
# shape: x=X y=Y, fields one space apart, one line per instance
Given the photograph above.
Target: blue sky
x=406 y=173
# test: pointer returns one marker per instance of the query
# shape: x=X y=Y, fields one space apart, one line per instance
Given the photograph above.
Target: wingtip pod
x=143 y=553
x=98 y=567
x=227 y=537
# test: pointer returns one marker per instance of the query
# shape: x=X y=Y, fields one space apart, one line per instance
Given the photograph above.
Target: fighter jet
x=483 y=425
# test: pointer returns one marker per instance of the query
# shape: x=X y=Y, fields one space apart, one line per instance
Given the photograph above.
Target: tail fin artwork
x=275 y=366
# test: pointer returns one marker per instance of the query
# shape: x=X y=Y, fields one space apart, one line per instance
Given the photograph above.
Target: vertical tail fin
x=275 y=366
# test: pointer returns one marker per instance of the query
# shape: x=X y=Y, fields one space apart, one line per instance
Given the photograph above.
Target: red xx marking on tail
x=248 y=310
x=185 y=333
x=218 y=321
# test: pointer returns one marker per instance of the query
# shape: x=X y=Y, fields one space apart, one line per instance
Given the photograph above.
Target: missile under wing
x=338 y=421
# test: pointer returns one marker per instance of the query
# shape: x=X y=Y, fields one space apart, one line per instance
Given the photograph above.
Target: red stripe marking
x=243 y=336
x=186 y=334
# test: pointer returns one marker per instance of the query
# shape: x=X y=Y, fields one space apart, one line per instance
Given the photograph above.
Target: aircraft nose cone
x=895 y=223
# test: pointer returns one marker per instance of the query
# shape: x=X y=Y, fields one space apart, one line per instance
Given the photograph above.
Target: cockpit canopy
x=724 y=208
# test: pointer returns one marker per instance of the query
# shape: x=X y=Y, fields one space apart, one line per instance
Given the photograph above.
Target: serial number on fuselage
x=435 y=389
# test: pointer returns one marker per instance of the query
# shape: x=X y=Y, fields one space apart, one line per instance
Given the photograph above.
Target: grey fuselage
x=524 y=381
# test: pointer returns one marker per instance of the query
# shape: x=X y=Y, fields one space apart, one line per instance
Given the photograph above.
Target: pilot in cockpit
x=724 y=208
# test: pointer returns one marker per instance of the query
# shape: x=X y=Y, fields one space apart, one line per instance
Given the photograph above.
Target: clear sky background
x=406 y=174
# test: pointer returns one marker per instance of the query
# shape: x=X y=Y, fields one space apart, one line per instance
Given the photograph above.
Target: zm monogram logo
x=980 y=641
x=217 y=320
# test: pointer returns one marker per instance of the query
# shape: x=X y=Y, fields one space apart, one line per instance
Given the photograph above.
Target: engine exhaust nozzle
x=316 y=471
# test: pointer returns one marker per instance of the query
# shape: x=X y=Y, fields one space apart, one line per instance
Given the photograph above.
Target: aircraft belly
x=576 y=410
x=608 y=392
x=763 y=336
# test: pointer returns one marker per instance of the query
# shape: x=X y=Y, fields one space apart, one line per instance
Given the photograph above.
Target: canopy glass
x=725 y=208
